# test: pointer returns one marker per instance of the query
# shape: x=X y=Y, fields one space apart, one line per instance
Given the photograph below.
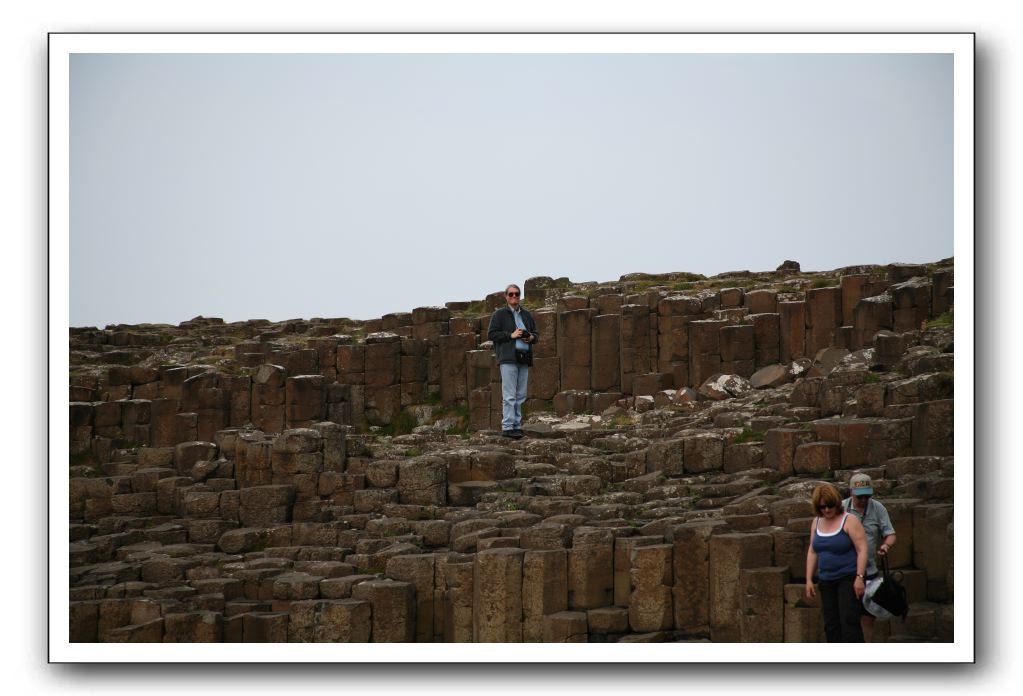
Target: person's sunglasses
x=825 y=506
x=513 y=294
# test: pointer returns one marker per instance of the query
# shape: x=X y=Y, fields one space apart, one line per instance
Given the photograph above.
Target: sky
x=280 y=186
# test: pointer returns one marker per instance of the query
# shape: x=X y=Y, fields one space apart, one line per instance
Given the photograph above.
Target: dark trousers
x=841 y=611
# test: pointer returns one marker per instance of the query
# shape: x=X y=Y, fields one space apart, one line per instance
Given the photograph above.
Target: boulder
x=685 y=395
x=770 y=376
x=799 y=368
x=826 y=360
x=718 y=387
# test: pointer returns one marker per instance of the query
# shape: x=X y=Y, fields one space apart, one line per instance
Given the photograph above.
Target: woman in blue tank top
x=838 y=554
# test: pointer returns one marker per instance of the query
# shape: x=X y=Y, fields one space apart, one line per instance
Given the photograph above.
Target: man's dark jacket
x=501 y=326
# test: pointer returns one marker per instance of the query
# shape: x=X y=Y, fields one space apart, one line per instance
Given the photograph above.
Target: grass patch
x=474 y=310
x=871 y=378
x=748 y=435
x=402 y=424
x=823 y=283
x=432 y=399
x=461 y=414
x=618 y=421
x=229 y=367
x=637 y=286
x=943 y=320
x=529 y=409
x=461 y=430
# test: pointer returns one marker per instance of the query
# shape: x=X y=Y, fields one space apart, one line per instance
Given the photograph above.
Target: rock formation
x=333 y=480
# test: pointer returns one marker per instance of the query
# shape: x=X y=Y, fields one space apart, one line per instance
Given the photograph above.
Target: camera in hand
x=524 y=335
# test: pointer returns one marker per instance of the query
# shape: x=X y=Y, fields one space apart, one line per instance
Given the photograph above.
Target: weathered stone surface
x=265 y=627
x=193 y=627
x=691 y=573
x=930 y=548
x=729 y=555
x=497 y=596
x=817 y=458
x=546 y=536
x=703 y=453
x=186 y=454
x=803 y=622
x=591 y=568
x=608 y=620
x=720 y=386
x=770 y=376
x=147 y=632
x=329 y=621
x=544 y=590
x=761 y=605
x=780 y=447
x=623 y=548
x=393 y=609
x=564 y=627
x=419 y=570
x=458 y=624
x=650 y=602
x=666 y=456
x=278 y=495
x=422 y=482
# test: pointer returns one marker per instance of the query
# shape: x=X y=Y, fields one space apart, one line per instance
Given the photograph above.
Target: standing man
x=878 y=527
x=513 y=332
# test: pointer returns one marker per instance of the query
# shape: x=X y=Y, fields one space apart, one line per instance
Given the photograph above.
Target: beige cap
x=860 y=484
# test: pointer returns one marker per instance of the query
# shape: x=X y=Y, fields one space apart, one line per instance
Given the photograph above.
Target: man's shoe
x=513 y=434
x=519 y=432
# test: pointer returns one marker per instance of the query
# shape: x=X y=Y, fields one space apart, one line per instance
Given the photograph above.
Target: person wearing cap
x=513 y=331
x=837 y=554
x=878 y=527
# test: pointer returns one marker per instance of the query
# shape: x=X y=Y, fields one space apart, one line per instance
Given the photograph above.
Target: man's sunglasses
x=513 y=294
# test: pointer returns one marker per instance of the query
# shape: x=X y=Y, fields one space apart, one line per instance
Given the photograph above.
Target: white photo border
x=63 y=45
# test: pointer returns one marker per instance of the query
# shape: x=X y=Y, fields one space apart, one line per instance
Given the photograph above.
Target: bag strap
x=895 y=575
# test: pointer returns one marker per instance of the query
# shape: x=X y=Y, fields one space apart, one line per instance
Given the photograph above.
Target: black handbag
x=891 y=595
x=523 y=357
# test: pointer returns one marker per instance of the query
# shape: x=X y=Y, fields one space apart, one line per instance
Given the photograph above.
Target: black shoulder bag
x=524 y=357
x=891 y=595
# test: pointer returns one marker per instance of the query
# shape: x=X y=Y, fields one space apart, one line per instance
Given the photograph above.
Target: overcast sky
x=286 y=186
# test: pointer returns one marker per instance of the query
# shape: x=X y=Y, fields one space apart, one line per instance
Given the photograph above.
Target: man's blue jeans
x=514 y=378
